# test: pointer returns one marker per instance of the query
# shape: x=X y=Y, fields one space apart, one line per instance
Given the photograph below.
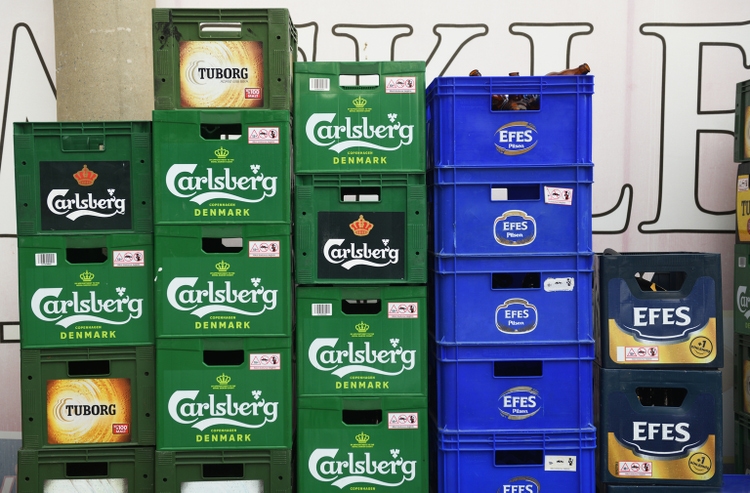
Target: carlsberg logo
x=321 y=132
x=219 y=185
x=47 y=305
x=324 y=467
x=219 y=297
x=353 y=256
x=84 y=204
x=186 y=409
x=743 y=301
x=324 y=356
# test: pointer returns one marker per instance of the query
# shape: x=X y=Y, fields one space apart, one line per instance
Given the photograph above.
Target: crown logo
x=361 y=227
x=362 y=438
x=85 y=177
x=362 y=327
x=221 y=153
x=222 y=266
x=360 y=102
x=223 y=379
x=87 y=276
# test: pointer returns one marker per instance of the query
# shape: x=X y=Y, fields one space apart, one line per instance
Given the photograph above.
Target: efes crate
x=361 y=340
x=223 y=58
x=115 y=470
x=544 y=460
x=543 y=209
x=376 y=125
x=83 y=177
x=659 y=310
x=222 y=167
x=92 y=290
x=88 y=397
x=224 y=393
x=223 y=281
x=353 y=443
x=198 y=471
x=513 y=388
x=360 y=228
x=742 y=122
x=512 y=300
x=464 y=130
x=659 y=426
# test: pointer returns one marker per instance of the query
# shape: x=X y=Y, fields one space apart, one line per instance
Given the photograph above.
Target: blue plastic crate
x=514 y=388
x=513 y=300
x=559 y=461
x=511 y=210
x=464 y=130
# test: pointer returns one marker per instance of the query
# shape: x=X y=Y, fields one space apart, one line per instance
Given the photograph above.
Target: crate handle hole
x=516 y=280
x=519 y=457
x=361 y=307
x=661 y=396
x=86 y=469
x=232 y=357
x=221 y=131
x=97 y=255
x=222 y=245
x=362 y=417
x=514 y=369
x=660 y=281
x=88 y=368
x=360 y=194
x=223 y=470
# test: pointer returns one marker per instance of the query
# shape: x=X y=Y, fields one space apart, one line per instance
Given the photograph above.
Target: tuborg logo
x=516 y=138
x=521 y=484
x=208 y=184
x=516 y=316
x=519 y=403
x=354 y=255
x=325 y=357
x=199 y=72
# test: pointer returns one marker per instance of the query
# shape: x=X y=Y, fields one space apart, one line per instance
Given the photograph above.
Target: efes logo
x=516 y=138
x=515 y=228
x=521 y=484
x=222 y=270
x=519 y=403
x=85 y=177
x=360 y=104
x=516 y=316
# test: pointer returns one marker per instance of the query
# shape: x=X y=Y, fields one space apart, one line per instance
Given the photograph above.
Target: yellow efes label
x=699 y=348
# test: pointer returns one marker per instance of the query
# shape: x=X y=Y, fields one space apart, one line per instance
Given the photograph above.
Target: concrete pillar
x=104 y=60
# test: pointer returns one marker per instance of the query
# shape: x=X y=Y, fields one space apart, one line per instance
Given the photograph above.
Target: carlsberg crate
x=223 y=58
x=742 y=374
x=83 y=177
x=224 y=393
x=222 y=167
x=359 y=117
x=87 y=290
x=223 y=281
x=361 y=340
x=465 y=130
x=659 y=310
x=88 y=397
x=659 y=426
x=199 y=471
x=116 y=470
x=356 y=443
x=361 y=228
x=742 y=122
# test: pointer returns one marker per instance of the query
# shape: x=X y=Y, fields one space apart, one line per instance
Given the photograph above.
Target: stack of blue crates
x=511 y=274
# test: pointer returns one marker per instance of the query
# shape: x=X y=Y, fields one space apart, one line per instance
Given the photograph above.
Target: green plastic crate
x=224 y=393
x=235 y=292
x=223 y=58
x=93 y=290
x=361 y=340
x=742 y=122
x=83 y=177
x=742 y=443
x=742 y=374
x=201 y=177
x=376 y=125
x=361 y=229
x=76 y=398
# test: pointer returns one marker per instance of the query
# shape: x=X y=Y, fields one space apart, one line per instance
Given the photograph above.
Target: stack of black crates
x=223 y=282
x=360 y=234
x=511 y=270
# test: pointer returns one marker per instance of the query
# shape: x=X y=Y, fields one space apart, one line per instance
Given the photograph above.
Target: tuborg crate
x=222 y=166
x=511 y=388
x=742 y=122
x=516 y=299
x=223 y=281
x=88 y=397
x=199 y=471
x=551 y=460
x=361 y=228
x=511 y=210
x=223 y=58
x=659 y=426
x=464 y=130
x=742 y=207
x=224 y=393
x=86 y=290
x=83 y=177
x=361 y=340
x=675 y=320
x=375 y=126
x=116 y=470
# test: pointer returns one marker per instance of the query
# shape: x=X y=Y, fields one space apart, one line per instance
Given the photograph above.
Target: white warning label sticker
x=263 y=249
x=270 y=361
x=403 y=310
x=263 y=135
x=642 y=469
x=128 y=258
x=403 y=421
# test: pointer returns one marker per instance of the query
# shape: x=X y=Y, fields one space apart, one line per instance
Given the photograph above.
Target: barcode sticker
x=322 y=309
x=319 y=84
x=46 y=259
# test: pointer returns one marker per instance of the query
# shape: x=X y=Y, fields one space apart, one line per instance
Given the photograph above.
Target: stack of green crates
x=223 y=283
x=85 y=265
x=360 y=244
